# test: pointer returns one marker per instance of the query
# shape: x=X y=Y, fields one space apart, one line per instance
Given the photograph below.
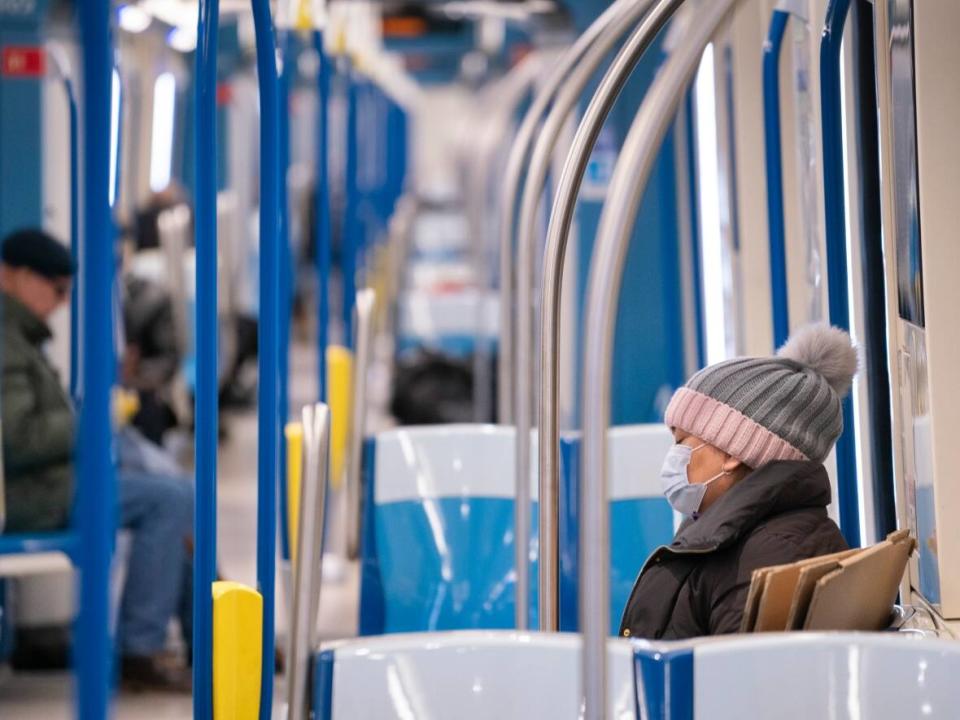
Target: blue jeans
x=158 y=509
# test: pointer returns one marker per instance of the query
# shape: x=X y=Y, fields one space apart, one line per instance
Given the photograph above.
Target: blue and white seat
x=437 y=538
x=463 y=675
x=795 y=676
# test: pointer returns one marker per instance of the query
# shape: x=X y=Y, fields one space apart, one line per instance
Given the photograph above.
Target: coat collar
x=775 y=488
x=19 y=318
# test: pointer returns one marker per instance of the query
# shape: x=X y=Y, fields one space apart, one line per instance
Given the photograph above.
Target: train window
x=161 y=140
x=909 y=252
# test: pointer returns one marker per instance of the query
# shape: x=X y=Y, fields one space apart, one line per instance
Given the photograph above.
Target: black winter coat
x=698 y=584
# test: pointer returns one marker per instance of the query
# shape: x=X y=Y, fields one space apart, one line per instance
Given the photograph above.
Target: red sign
x=23 y=62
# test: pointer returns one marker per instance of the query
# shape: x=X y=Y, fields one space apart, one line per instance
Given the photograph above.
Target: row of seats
x=480 y=675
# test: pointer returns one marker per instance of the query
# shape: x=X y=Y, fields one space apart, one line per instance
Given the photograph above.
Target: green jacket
x=38 y=426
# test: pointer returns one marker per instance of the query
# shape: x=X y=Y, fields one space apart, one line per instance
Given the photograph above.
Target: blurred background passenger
x=155 y=498
x=747 y=473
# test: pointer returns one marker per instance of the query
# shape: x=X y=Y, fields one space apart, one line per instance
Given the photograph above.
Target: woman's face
x=707 y=463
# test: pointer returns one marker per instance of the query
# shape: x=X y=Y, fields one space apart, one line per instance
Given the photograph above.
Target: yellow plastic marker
x=293 y=432
x=237 y=651
x=339 y=398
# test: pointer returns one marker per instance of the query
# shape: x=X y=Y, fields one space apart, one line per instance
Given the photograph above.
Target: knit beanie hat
x=37 y=251
x=785 y=407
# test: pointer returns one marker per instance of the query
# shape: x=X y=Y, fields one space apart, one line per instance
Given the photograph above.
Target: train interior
x=404 y=289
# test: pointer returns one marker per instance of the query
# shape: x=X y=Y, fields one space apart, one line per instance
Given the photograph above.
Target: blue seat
x=473 y=675
x=795 y=676
x=437 y=538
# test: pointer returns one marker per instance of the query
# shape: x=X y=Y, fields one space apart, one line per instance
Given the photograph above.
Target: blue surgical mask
x=684 y=497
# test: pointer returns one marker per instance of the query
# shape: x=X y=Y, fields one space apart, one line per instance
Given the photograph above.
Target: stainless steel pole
x=558 y=232
x=626 y=188
x=308 y=561
x=511 y=189
x=546 y=142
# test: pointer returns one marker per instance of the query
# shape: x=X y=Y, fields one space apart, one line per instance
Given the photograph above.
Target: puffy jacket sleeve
x=32 y=437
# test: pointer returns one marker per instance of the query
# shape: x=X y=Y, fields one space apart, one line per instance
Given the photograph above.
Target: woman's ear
x=731 y=464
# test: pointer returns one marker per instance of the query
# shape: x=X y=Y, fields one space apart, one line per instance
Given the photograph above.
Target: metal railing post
x=561 y=220
x=617 y=221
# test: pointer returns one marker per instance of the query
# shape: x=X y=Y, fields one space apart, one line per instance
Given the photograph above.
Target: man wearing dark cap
x=38 y=445
x=38 y=424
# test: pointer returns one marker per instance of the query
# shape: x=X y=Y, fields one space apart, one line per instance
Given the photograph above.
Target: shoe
x=154 y=673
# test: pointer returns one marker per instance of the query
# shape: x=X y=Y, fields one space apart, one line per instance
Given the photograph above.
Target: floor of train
x=48 y=696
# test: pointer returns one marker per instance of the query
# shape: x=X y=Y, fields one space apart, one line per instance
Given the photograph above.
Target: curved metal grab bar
x=268 y=436
x=617 y=220
x=835 y=213
x=564 y=102
x=205 y=399
x=773 y=147
x=558 y=232
x=96 y=489
x=511 y=189
x=363 y=315
x=308 y=567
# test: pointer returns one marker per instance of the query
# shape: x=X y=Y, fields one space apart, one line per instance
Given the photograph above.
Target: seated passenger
x=38 y=446
x=747 y=474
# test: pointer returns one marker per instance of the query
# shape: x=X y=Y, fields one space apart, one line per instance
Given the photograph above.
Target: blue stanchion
x=773 y=145
x=350 y=228
x=96 y=488
x=835 y=215
x=268 y=409
x=322 y=213
x=206 y=390
x=285 y=42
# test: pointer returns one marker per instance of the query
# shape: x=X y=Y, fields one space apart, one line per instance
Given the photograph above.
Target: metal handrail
x=773 y=147
x=268 y=425
x=834 y=207
x=308 y=566
x=363 y=315
x=97 y=496
x=511 y=190
x=561 y=220
x=617 y=220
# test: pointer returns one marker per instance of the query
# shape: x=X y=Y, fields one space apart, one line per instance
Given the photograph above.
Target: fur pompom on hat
x=785 y=407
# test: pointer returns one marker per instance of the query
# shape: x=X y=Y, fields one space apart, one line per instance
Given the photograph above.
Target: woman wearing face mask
x=746 y=472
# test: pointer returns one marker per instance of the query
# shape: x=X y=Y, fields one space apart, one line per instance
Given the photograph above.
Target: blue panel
x=569 y=532
x=648 y=346
x=65 y=542
x=447 y=564
x=926 y=541
x=664 y=683
x=321 y=702
x=638 y=526
x=457 y=346
x=21 y=153
x=372 y=605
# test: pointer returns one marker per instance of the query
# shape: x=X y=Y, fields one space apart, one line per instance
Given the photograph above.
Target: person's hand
x=126 y=404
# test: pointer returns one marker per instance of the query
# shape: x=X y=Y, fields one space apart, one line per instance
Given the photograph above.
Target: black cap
x=37 y=251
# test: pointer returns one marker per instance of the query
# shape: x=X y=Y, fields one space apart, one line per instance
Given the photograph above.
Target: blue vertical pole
x=268 y=406
x=205 y=308
x=74 y=238
x=95 y=473
x=835 y=216
x=285 y=42
x=322 y=213
x=774 y=152
x=351 y=226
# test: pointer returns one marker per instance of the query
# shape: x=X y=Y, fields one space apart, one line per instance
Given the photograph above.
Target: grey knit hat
x=785 y=407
